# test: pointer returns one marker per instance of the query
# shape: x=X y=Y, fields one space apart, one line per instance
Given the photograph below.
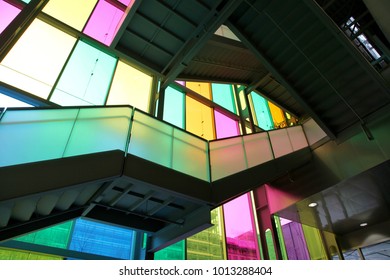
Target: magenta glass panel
x=7 y=14
x=225 y=126
x=294 y=240
x=104 y=22
x=125 y=2
x=241 y=239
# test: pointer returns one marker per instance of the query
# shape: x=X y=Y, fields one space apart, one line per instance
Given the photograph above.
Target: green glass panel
x=6 y=254
x=262 y=112
x=190 y=155
x=314 y=243
x=55 y=236
x=45 y=135
x=223 y=95
x=208 y=244
x=270 y=244
x=174 y=107
x=151 y=139
x=86 y=78
x=280 y=237
x=174 y=252
x=99 y=130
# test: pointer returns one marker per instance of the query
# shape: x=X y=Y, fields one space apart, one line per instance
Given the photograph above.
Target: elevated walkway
x=122 y=166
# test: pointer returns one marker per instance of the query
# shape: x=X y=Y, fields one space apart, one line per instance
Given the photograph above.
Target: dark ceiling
x=290 y=52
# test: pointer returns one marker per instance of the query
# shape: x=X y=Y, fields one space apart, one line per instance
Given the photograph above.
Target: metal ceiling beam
x=269 y=65
x=212 y=21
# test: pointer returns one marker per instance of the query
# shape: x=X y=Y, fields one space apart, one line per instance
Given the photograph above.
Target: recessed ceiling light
x=363 y=224
x=313 y=204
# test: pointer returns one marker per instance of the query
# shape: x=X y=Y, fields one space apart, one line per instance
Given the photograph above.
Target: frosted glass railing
x=232 y=155
x=44 y=134
x=36 y=135
x=166 y=145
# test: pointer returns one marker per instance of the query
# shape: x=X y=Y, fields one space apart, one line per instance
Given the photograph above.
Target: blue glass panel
x=101 y=239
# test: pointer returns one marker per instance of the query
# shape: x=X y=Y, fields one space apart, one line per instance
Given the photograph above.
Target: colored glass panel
x=280 y=237
x=314 y=243
x=130 y=87
x=203 y=89
x=174 y=252
x=278 y=116
x=74 y=13
x=225 y=126
x=151 y=139
x=257 y=149
x=26 y=1
x=101 y=239
x=227 y=156
x=7 y=13
x=99 y=130
x=104 y=22
x=6 y=101
x=35 y=61
x=241 y=239
x=270 y=244
x=163 y=144
x=56 y=236
x=45 y=135
x=174 y=111
x=7 y=254
x=199 y=119
x=190 y=155
x=208 y=244
x=294 y=240
x=263 y=117
x=86 y=77
x=223 y=95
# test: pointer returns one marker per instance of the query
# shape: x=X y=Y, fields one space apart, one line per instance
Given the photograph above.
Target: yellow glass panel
x=199 y=119
x=72 y=12
x=203 y=89
x=277 y=115
x=36 y=60
x=130 y=87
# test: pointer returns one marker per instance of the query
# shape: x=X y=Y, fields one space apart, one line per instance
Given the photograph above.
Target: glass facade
x=201 y=121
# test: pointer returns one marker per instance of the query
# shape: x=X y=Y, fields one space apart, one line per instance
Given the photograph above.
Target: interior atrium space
x=194 y=130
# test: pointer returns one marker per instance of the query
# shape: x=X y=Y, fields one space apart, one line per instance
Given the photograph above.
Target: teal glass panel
x=190 y=155
x=262 y=112
x=174 y=101
x=34 y=135
x=223 y=95
x=151 y=139
x=174 y=252
x=86 y=78
x=56 y=236
x=227 y=157
x=26 y=1
x=99 y=130
x=101 y=239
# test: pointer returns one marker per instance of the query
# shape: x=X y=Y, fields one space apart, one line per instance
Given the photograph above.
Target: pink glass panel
x=241 y=240
x=7 y=14
x=126 y=2
x=104 y=22
x=225 y=126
